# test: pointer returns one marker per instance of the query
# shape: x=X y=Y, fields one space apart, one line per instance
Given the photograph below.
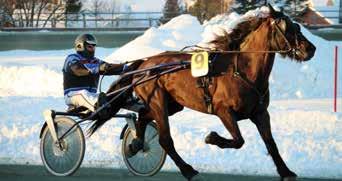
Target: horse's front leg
x=262 y=122
x=229 y=121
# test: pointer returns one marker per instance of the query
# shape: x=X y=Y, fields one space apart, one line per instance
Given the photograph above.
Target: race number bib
x=199 y=64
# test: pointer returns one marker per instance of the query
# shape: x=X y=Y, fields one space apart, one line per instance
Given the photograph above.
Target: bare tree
x=100 y=7
x=42 y=6
x=206 y=9
x=340 y=13
x=7 y=9
x=294 y=8
x=242 y=6
x=110 y=6
x=72 y=9
x=97 y=4
x=28 y=13
x=171 y=10
x=114 y=8
x=55 y=8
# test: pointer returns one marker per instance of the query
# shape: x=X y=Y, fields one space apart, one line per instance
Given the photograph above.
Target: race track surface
x=38 y=173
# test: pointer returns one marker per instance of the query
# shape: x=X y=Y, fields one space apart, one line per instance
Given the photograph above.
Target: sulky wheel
x=148 y=161
x=65 y=157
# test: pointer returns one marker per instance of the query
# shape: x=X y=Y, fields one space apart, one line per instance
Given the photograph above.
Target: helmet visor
x=91 y=42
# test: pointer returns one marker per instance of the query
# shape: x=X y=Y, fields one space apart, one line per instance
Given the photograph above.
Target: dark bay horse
x=239 y=87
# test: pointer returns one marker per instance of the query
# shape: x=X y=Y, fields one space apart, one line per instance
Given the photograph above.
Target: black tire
x=63 y=162
x=148 y=162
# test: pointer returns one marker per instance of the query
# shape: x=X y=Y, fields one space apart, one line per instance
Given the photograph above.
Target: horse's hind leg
x=143 y=119
x=262 y=122
x=228 y=119
x=159 y=109
x=138 y=142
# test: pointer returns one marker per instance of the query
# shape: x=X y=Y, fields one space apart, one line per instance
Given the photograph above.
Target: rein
x=176 y=66
x=171 y=67
x=182 y=51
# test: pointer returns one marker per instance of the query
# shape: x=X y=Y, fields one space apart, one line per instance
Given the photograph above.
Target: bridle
x=290 y=48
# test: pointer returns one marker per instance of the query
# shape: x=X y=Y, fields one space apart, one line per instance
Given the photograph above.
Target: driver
x=81 y=72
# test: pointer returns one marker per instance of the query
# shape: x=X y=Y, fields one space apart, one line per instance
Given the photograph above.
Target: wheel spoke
x=152 y=138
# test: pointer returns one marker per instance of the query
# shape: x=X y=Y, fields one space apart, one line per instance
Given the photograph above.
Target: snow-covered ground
x=308 y=133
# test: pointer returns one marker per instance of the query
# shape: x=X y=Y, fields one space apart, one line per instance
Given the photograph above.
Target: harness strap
x=204 y=83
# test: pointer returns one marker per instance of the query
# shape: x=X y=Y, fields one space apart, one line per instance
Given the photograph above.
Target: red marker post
x=335 y=79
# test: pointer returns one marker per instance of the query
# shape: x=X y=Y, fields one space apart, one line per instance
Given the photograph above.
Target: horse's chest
x=245 y=100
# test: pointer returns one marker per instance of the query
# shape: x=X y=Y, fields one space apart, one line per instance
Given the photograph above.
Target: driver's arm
x=79 y=69
x=111 y=69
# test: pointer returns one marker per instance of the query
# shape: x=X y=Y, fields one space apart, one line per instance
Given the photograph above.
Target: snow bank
x=179 y=32
x=308 y=138
x=41 y=82
x=36 y=73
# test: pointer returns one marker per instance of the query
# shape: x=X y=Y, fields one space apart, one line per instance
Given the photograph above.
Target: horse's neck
x=257 y=66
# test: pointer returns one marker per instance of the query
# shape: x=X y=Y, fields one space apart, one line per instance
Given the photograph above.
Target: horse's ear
x=272 y=11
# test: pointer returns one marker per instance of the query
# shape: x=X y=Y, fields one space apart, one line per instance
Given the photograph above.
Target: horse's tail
x=119 y=102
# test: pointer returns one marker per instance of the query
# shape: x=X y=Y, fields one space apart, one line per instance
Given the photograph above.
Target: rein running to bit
x=176 y=66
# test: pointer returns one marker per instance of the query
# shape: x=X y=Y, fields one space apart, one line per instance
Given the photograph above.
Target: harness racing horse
x=239 y=86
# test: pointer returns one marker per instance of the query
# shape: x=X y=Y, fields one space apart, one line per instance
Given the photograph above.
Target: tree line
x=38 y=13
x=43 y=13
x=35 y=13
x=206 y=9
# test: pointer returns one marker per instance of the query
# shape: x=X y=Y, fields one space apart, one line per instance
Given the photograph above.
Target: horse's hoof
x=188 y=172
x=133 y=148
x=289 y=178
x=211 y=137
x=197 y=177
x=128 y=152
x=136 y=145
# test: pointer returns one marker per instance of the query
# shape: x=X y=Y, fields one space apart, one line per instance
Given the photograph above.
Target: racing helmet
x=82 y=41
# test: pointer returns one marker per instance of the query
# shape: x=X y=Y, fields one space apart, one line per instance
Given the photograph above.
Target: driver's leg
x=83 y=98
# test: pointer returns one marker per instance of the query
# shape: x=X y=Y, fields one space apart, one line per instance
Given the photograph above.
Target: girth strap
x=204 y=82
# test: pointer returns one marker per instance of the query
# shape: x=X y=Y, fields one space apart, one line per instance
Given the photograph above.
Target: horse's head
x=286 y=35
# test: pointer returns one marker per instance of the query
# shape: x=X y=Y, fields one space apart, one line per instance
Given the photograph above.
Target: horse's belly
x=183 y=88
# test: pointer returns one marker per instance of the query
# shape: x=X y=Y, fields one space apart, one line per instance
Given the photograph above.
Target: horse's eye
x=297 y=27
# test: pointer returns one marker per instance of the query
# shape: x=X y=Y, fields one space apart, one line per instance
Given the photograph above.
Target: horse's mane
x=232 y=39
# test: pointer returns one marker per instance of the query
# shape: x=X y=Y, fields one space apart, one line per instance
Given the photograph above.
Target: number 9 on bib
x=199 y=64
